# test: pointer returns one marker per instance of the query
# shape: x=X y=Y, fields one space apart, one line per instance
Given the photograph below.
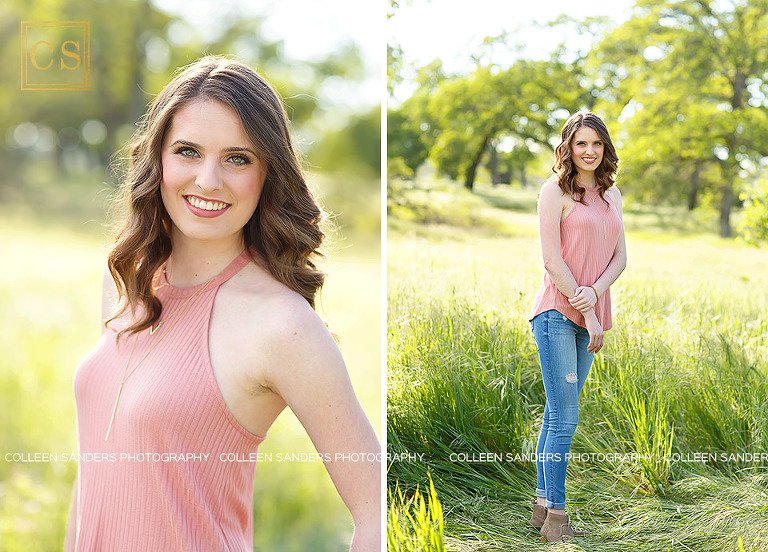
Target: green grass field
x=672 y=407
x=53 y=260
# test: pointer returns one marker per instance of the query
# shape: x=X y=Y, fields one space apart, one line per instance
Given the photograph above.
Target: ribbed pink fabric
x=588 y=237
x=170 y=405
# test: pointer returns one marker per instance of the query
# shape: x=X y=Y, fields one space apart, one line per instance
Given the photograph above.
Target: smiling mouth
x=206 y=205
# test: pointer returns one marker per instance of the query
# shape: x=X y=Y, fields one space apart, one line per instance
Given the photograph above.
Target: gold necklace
x=152 y=329
x=187 y=304
x=603 y=212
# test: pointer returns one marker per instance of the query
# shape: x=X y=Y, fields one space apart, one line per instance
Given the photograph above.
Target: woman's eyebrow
x=241 y=148
x=198 y=146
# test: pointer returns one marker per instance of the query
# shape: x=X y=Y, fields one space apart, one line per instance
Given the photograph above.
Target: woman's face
x=212 y=177
x=587 y=149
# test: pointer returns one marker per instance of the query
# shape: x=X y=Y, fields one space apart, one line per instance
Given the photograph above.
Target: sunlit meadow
x=673 y=407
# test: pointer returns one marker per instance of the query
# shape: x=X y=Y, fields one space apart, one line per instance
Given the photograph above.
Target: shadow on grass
x=678 y=221
x=503 y=198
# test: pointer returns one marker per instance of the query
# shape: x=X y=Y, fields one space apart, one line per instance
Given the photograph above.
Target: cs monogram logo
x=55 y=55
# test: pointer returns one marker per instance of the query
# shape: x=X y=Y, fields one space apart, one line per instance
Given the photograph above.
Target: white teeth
x=206 y=205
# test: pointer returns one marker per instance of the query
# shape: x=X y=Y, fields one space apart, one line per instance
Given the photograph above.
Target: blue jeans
x=565 y=364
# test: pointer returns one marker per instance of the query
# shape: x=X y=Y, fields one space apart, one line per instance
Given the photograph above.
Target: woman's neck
x=586 y=179
x=195 y=262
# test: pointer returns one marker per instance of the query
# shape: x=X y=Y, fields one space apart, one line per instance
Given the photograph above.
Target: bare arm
x=312 y=379
x=550 y=210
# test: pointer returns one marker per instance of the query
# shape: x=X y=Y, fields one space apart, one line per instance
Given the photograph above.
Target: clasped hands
x=584 y=301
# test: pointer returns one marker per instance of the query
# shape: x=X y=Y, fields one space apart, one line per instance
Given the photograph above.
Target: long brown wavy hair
x=286 y=227
x=565 y=170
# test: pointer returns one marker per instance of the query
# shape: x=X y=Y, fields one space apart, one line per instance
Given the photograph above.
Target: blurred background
x=58 y=158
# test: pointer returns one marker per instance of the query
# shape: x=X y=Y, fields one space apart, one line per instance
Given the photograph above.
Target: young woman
x=214 y=334
x=582 y=242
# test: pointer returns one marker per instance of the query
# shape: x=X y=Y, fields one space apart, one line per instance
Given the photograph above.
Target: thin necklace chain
x=602 y=212
x=153 y=329
x=186 y=306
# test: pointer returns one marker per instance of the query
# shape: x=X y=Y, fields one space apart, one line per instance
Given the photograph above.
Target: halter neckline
x=230 y=270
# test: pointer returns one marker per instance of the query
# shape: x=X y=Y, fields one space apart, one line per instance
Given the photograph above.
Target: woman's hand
x=584 y=299
x=596 y=334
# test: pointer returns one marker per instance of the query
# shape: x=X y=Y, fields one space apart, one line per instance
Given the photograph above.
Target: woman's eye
x=186 y=152
x=240 y=159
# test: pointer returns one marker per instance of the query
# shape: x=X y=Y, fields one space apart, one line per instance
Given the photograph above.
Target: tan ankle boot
x=557 y=528
x=539 y=515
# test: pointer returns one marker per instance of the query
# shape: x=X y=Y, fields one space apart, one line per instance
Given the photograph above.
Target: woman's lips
x=205 y=208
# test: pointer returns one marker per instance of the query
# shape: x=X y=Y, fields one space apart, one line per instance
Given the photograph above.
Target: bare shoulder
x=267 y=321
x=264 y=339
x=551 y=194
x=550 y=188
x=553 y=203
x=615 y=194
x=267 y=307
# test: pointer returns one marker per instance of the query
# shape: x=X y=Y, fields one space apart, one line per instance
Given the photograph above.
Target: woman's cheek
x=173 y=174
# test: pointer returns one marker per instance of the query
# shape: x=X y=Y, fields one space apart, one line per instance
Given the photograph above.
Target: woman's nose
x=208 y=178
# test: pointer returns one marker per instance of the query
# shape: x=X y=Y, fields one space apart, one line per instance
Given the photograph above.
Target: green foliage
x=691 y=122
x=396 y=168
x=683 y=373
x=394 y=66
x=637 y=398
x=406 y=147
x=458 y=386
x=410 y=126
x=492 y=105
x=355 y=148
x=681 y=86
x=754 y=223
x=415 y=524
x=135 y=49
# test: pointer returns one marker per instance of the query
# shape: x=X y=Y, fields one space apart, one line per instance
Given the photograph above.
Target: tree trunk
x=726 y=200
x=694 y=188
x=493 y=165
x=523 y=178
x=505 y=176
x=469 y=183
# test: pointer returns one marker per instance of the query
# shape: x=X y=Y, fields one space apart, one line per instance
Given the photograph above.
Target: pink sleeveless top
x=588 y=237
x=177 y=471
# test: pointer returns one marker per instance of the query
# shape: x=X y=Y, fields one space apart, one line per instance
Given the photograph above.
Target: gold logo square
x=55 y=55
